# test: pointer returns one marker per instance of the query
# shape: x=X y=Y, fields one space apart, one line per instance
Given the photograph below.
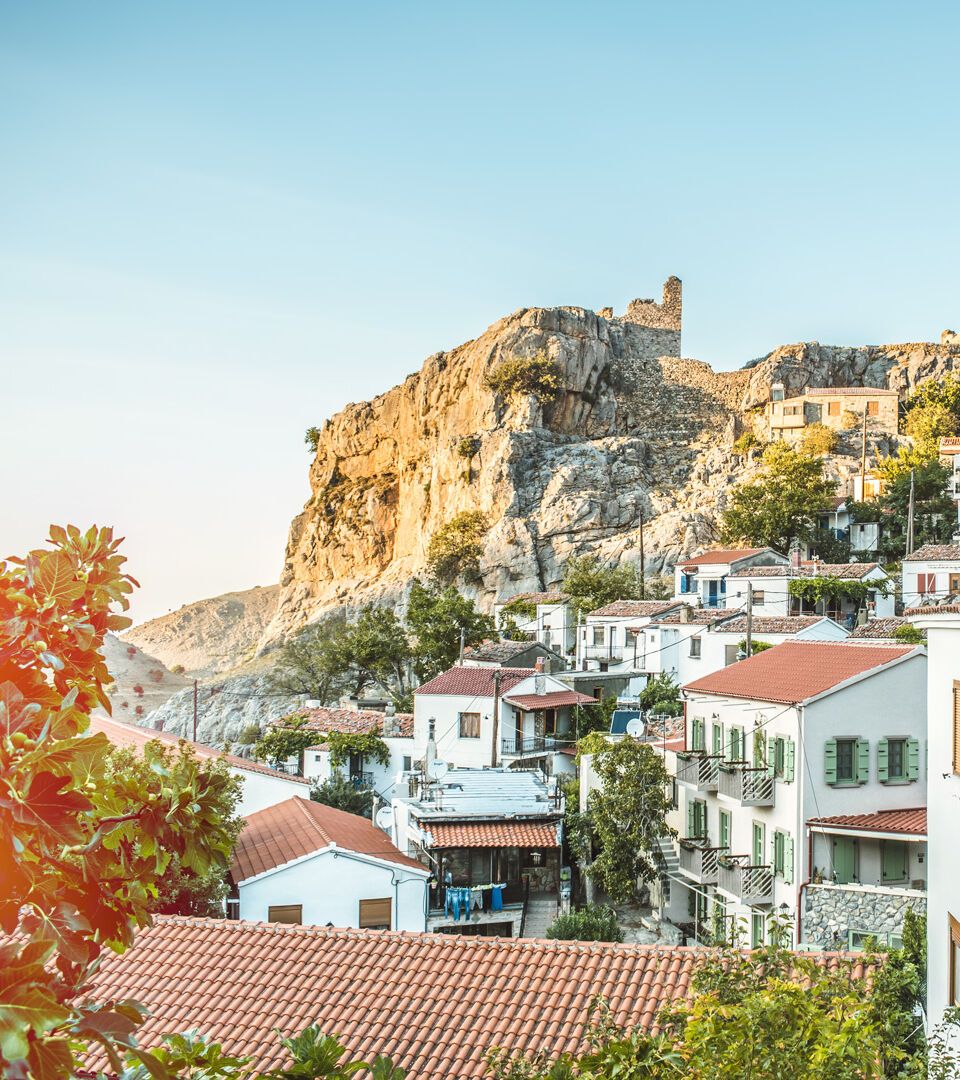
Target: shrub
x=340 y=793
x=178 y=669
x=819 y=439
x=455 y=548
x=746 y=443
x=155 y=675
x=138 y=690
x=468 y=447
x=519 y=376
x=909 y=634
x=311 y=438
x=590 y=923
x=131 y=650
x=139 y=710
x=249 y=734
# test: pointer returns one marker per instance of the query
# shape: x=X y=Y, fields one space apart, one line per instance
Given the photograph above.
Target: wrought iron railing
x=604 y=652
x=700 y=860
x=747 y=882
x=534 y=744
x=750 y=786
x=699 y=769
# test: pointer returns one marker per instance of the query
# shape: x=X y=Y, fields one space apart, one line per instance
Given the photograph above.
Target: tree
x=661 y=696
x=819 y=439
x=312 y=663
x=592 y=922
x=81 y=851
x=782 y=504
x=595 y=716
x=183 y=890
x=627 y=813
x=435 y=616
x=455 y=548
x=518 y=376
x=376 y=650
x=591 y=585
x=340 y=793
x=287 y=738
x=934 y=511
x=311 y=438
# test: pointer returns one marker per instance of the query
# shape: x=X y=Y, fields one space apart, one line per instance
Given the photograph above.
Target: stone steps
x=539 y=916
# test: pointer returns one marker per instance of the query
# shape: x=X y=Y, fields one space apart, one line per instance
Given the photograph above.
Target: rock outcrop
x=209 y=636
x=637 y=434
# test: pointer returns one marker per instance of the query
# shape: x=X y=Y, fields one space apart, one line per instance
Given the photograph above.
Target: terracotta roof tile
x=501 y=652
x=356 y=721
x=435 y=1003
x=695 y=616
x=770 y=624
x=721 y=555
x=845 y=571
x=879 y=628
x=934 y=552
x=297 y=827
x=796 y=671
x=474 y=681
x=555 y=700
x=849 y=391
x=133 y=737
x=483 y=834
x=912 y=821
x=635 y=608
x=554 y=597
x=934 y=609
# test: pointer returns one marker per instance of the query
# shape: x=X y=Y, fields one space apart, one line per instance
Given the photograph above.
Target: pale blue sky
x=220 y=222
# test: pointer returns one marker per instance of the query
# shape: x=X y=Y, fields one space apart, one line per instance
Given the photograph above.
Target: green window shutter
x=863 y=761
x=690 y=831
x=789 y=769
x=698 y=733
x=771 y=754
x=788 y=859
x=883 y=761
x=776 y=852
x=717 y=740
x=830 y=761
x=913 y=759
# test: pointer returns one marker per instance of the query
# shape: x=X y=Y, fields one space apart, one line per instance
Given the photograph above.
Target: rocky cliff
x=637 y=432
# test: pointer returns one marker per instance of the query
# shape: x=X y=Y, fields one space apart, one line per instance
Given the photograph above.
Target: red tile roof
x=356 y=721
x=849 y=391
x=474 y=681
x=912 y=821
x=555 y=700
x=695 y=616
x=136 y=738
x=635 y=608
x=555 y=597
x=934 y=552
x=721 y=555
x=770 y=624
x=879 y=628
x=435 y=1003
x=483 y=834
x=297 y=827
x=845 y=571
x=796 y=671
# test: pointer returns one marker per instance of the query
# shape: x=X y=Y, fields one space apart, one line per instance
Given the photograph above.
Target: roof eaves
x=860 y=676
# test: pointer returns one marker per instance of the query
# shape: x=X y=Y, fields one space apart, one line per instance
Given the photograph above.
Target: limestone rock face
x=636 y=433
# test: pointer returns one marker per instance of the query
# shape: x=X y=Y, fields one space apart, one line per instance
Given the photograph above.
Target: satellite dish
x=437 y=770
x=634 y=726
x=384 y=818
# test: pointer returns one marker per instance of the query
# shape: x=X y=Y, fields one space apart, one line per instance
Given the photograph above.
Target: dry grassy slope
x=209 y=636
x=141 y=683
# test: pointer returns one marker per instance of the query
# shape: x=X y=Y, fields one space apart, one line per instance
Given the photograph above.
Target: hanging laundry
x=496 y=900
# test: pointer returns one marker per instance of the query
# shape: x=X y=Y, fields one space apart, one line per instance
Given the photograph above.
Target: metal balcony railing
x=746 y=882
x=605 y=653
x=749 y=786
x=362 y=779
x=533 y=744
x=699 y=770
x=700 y=861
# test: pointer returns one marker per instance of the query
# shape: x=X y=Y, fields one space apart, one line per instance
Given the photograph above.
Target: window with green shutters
x=783 y=855
x=724 y=830
x=846 y=761
x=737 y=745
x=898 y=760
x=697 y=819
x=717 y=739
x=756 y=929
x=698 y=734
x=756 y=855
x=790 y=761
x=894 y=860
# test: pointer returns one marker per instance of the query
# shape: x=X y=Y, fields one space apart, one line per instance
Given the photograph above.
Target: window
x=725 y=830
x=778 y=852
x=736 y=744
x=407 y=763
x=926 y=583
x=598 y=635
x=894 y=860
x=873 y=408
x=833 y=408
x=783 y=855
x=757 y=597
x=695 y=646
x=847 y=761
x=549 y=721
x=791 y=410
x=730 y=654
x=756 y=930
x=844 y=860
x=954 y=583
x=779 y=756
x=375 y=914
x=895 y=751
x=954 y=928
x=469 y=725
x=285 y=913
x=697 y=819
x=698 y=734
x=716 y=743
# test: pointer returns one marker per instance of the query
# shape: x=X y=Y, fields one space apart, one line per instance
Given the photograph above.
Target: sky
x=222 y=221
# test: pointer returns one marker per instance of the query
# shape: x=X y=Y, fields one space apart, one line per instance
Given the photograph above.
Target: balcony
x=699 y=770
x=604 y=654
x=746 y=883
x=361 y=780
x=749 y=786
x=533 y=744
x=699 y=861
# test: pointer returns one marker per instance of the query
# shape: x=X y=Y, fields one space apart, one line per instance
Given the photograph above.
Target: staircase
x=539 y=914
x=669 y=863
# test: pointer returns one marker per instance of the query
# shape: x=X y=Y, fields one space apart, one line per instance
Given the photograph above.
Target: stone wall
x=829 y=911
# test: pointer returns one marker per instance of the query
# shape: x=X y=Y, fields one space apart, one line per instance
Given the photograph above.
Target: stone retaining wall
x=830 y=911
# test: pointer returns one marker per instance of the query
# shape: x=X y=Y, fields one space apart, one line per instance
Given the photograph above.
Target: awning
x=484 y=834
x=554 y=700
x=903 y=824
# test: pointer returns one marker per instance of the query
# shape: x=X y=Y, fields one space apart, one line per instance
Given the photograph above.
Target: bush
x=468 y=447
x=455 y=548
x=138 y=690
x=590 y=923
x=340 y=793
x=819 y=439
x=249 y=734
x=155 y=675
x=178 y=669
x=312 y=439
x=747 y=442
x=522 y=375
x=909 y=634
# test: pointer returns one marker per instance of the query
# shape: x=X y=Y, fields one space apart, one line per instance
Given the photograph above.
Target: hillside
x=636 y=431
x=141 y=683
x=209 y=636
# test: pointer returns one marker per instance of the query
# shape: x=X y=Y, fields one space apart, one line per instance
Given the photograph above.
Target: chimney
x=540 y=665
x=795 y=557
x=684 y=613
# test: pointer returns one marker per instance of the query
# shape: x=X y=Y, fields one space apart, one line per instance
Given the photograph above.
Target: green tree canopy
x=591 y=585
x=435 y=616
x=781 y=505
x=340 y=793
x=313 y=663
x=627 y=813
x=455 y=548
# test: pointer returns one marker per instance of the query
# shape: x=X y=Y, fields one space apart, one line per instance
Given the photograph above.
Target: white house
x=703 y=579
x=609 y=639
x=806 y=730
x=517 y=654
x=483 y=717
x=863 y=536
x=493 y=838
x=262 y=786
x=771 y=590
x=942 y=625
x=547 y=617
x=302 y=862
x=395 y=729
x=931 y=575
x=950 y=456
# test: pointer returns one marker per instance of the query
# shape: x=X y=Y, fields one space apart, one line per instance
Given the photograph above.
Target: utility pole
x=194 y=710
x=749 y=644
x=496 y=716
x=911 y=510
x=863 y=458
x=643 y=585
x=463 y=634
